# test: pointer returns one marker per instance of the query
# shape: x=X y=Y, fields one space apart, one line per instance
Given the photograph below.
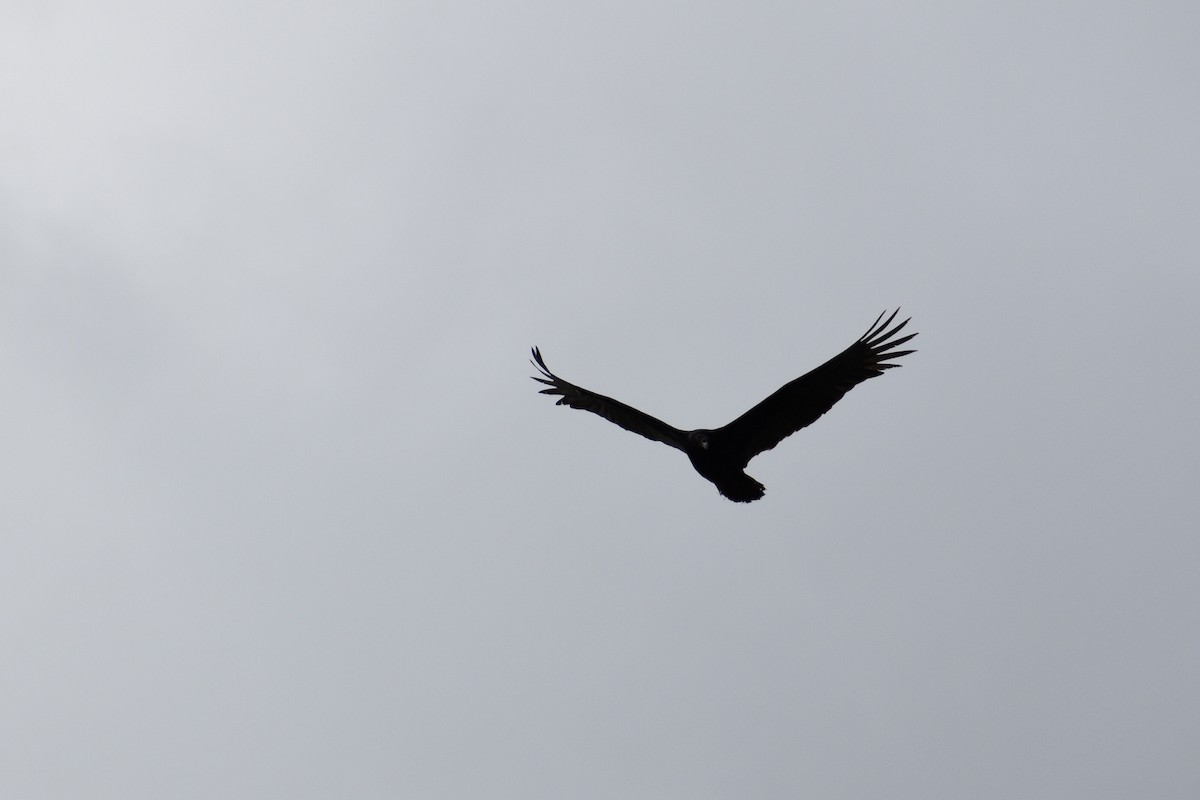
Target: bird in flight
x=720 y=455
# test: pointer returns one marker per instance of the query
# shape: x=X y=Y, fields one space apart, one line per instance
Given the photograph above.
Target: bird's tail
x=741 y=488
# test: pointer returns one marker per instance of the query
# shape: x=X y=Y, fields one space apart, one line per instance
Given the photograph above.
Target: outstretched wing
x=802 y=402
x=614 y=411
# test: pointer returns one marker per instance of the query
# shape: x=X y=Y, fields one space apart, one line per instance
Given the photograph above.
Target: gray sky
x=283 y=515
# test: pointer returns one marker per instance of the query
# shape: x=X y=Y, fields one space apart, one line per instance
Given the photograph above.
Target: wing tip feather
x=540 y=364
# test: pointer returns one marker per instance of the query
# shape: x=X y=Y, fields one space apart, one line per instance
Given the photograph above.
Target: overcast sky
x=282 y=513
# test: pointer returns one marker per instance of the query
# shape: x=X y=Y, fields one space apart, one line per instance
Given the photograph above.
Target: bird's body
x=718 y=464
x=720 y=455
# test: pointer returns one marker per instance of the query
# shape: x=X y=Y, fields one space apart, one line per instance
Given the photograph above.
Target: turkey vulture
x=720 y=455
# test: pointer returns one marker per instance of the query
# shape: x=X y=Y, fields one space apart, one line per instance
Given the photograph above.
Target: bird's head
x=698 y=439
